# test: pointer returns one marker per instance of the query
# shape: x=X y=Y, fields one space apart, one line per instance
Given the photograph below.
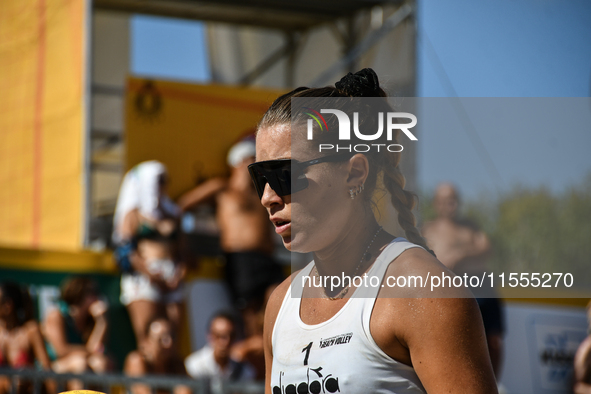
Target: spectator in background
x=146 y=233
x=75 y=331
x=21 y=343
x=213 y=361
x=156 y=356
x=582 y=365
x=245 y=233
x=458 y=243
x=462 y=247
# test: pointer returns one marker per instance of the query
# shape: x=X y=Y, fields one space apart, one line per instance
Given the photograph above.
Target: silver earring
x=353 y=193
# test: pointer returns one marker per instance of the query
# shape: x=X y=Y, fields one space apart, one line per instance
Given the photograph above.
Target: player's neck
x=346 y=254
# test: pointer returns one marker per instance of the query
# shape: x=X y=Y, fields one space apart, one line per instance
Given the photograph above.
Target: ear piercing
x=353 y=192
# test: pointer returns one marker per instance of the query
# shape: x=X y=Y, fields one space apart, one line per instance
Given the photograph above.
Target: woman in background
x=157 y=356
x=146 y=226
x=21 y=343
x=75 y=331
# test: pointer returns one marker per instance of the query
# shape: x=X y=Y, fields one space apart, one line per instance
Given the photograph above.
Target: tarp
x=41 y=122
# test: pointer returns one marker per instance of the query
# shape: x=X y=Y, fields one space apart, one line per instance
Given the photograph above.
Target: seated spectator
x=145 y=230
x=213 y=360
x=157 y=355
x=21 y=343
x=75 y=331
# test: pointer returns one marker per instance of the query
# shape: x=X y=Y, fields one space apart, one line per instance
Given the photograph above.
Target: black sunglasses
x=280 y=173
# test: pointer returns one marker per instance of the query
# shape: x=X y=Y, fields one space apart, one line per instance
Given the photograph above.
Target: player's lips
x=281 y=225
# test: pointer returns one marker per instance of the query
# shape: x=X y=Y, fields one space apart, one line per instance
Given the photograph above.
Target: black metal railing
x=121 y=384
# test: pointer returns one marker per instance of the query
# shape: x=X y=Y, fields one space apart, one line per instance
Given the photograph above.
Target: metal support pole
x=86 y=177
x=371 y=39
x=350 y=42
x=291 y=59
x=265 y=64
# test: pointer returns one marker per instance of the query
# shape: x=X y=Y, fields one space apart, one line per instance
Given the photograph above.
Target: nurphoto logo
x=392 y=119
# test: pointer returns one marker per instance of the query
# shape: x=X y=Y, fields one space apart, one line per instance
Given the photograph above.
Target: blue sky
x=169 y=48
x=505 y=48
x=501 y=48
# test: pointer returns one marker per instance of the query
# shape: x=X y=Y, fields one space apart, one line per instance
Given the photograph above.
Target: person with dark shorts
x=463 y=248
x=245 y=233
x=249 y=274
x=247 y=243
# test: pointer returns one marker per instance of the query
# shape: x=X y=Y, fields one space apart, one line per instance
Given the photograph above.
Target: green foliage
x=536 y=231
x=426 y=209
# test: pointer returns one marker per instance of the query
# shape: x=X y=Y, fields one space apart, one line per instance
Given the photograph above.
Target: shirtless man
x=245 y=233
x=463 y=248
x=457 y=243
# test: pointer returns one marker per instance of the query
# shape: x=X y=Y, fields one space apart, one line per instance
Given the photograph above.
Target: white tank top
x=338 y=355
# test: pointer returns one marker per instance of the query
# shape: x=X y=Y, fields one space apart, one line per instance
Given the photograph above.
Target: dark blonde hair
x=361 y=84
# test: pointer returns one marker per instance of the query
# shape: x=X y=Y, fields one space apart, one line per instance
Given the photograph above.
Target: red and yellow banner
x=189 y=127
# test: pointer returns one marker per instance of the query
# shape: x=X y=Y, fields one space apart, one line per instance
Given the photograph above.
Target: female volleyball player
x=355 y=338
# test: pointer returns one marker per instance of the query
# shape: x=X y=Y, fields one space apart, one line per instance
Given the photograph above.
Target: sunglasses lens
x=278 y=174
x=298 y=180
x=258 y=179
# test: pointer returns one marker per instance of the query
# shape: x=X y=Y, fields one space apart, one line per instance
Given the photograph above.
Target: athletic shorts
x=249 y=274
x=137 y=286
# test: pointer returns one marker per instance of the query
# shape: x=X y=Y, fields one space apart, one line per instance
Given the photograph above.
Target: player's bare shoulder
x=274 y=306
x=411 y=276
x=277 y=296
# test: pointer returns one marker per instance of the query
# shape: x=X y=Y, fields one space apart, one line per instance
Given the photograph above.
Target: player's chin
x=297 y=242
x=287 y=241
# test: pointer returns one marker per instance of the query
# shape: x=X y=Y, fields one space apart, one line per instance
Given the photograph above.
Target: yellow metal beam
x=575 y=298
x=46 y=260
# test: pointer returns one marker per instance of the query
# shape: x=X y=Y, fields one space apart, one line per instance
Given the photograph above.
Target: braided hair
x=363 y=83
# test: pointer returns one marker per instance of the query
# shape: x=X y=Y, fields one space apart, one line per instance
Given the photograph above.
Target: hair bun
x=363 y=83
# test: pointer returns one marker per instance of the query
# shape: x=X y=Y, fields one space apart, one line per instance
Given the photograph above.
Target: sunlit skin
x=312 y=226
x=242 y=222
x=279 y=209
x=460 y=247
x=89 y=314
x=21 y=345
x=582 y=362
x=323 y=219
